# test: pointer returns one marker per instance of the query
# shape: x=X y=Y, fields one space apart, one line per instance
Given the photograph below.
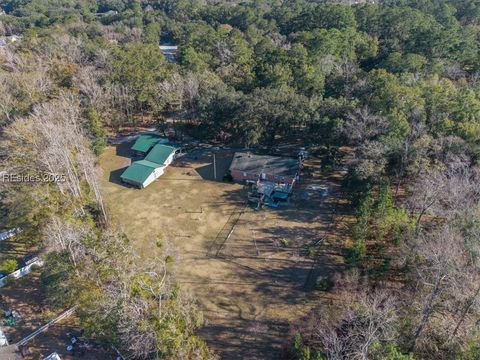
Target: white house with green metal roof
x=143 y=172
x=161 y=154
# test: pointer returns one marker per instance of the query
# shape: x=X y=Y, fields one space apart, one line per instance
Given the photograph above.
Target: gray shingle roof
x=274 y=165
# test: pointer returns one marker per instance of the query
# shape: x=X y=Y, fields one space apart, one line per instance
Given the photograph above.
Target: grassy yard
x=249 y=286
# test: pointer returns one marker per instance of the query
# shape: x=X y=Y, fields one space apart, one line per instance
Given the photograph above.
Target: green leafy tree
x=139 y=67
x=152 y=33
x=8 y=266
x=98 y=132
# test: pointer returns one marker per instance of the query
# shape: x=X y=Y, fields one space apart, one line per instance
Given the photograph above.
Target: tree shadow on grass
x=11 y=248
x=253 y=339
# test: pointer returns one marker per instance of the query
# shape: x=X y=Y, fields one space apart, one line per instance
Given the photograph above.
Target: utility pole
x=214 y=167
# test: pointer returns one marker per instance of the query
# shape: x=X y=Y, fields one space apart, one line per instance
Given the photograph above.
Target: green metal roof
x=138 y=171
x=147 y=163
x=146 y=141
x=160 y=153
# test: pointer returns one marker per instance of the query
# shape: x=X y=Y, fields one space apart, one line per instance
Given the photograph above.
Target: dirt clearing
x=25 y=297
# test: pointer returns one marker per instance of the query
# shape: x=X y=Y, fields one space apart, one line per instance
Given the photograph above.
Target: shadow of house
x=124 y=149
x=115 y=176
x=207 y=173
x=222 y=163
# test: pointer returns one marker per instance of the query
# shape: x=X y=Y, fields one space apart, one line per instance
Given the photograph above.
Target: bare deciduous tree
x=445 y=193
x=368 y=321
x=61 y=235
x=57 y=146
x=371 y=159
x=192 y=86
x=361 y=126
x=442 y=256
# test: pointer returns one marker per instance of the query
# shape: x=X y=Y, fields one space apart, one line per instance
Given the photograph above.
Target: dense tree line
x=397 y=83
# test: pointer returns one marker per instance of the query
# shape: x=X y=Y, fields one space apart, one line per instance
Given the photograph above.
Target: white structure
x=20 y=272
x=4 y=41
x=3 y=338
x=9 y=233
x=143 y=172
x=168 y=47
x=53 y=356
x=14 y=38
x=169 y=51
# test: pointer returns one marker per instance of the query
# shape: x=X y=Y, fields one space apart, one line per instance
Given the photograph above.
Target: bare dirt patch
x=58 y=337
x=251 y=285
x=25 y=296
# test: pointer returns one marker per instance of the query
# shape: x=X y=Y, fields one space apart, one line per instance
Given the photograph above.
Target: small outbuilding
x=170 y=52
x=139 y=173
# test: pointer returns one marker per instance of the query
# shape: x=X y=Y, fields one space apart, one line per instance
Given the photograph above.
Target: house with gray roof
x=271 y=178
x=276 y=169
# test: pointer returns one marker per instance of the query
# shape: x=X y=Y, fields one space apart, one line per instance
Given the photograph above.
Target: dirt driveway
x=251 y=285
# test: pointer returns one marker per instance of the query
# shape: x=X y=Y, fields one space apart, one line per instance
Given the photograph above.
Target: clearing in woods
x=252 y=271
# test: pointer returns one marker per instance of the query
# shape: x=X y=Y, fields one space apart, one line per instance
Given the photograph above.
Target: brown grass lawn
x=259 y=281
